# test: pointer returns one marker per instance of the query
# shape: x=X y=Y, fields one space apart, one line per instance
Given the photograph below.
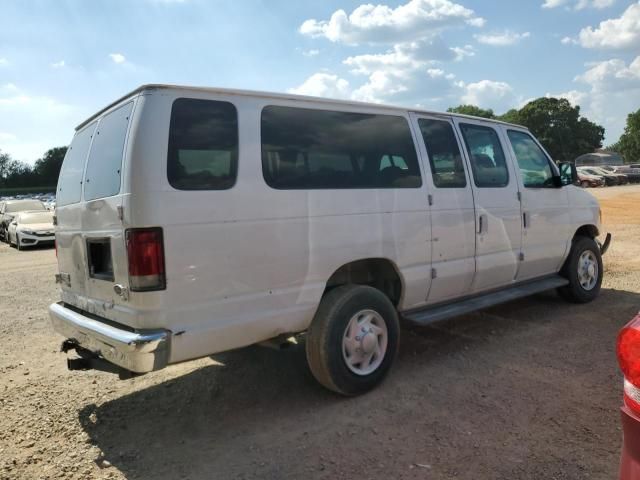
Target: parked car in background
x=609 y=178
x=590 y=181
x=633 y=174
x=614 y=170
x=9 y=209
x=628 y=352
x=28 y=229
x=184 y=245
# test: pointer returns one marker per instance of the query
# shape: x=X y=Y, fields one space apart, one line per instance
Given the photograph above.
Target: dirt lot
x=527 y=390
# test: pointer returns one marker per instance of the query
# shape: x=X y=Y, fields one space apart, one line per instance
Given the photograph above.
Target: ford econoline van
x=191 y=221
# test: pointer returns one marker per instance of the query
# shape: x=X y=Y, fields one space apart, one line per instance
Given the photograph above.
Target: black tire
x=575 y=292
x=324 y=342
x=584 y=184
x=18 y=246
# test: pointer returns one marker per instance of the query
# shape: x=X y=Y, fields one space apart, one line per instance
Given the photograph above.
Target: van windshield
x=25 y=205
x=37 y=217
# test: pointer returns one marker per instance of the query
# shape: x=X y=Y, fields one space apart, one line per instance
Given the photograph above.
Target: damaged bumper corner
x=97 y=342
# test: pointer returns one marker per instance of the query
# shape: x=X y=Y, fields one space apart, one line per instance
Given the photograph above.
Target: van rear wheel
x=584 y=271
x=353 y=339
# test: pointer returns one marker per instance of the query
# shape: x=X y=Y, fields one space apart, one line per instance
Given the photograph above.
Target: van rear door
x=90 y=234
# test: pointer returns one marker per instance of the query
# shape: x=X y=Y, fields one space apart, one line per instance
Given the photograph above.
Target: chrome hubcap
x=588 y=270
x=364 y=342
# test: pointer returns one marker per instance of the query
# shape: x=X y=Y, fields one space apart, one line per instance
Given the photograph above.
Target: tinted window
x=486 y=155
x=533 y=163
x=104 y=166
x=446 y=163
x=203 y=145
x=70 y=180
x=320 y=149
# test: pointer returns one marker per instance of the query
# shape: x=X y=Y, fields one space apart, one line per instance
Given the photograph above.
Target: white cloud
x=323 y=85
x=403 y=73
x=311 y=53
x=59 y=64
x=7 y=137
x=498 y=96
x=462 y=52
x=32 y=123
x=613 y=91
x=117 y=57
x=575 y=97
x=612 y=75
x=578 y=4
x=3 y=62
x=616 y=33
x=503 y=39
x=381 y=24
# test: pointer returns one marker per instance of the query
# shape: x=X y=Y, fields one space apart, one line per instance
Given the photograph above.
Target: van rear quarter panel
x=249 y=263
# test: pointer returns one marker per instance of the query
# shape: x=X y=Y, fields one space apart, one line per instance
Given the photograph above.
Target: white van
x=192 y=221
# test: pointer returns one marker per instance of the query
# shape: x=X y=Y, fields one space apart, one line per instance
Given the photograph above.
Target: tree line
x=42 y=174
x=554 y=121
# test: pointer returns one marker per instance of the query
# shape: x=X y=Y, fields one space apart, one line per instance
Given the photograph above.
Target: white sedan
x=28 y=229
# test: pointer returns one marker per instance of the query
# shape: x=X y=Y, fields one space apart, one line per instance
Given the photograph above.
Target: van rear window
x=203 y=145
x=322 y=149
x=70 y=180
x=104 y=166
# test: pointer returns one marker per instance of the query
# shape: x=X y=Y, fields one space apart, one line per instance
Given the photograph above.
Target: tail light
x=145 y=252
x=628 y=351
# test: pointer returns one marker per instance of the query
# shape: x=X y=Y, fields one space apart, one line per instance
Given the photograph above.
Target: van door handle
x=525 y=219
x=483 y=224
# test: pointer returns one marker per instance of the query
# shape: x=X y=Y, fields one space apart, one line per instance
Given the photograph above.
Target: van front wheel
x=584 y=271
x=353 y=339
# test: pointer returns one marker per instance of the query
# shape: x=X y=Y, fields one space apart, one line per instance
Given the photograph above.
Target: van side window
x=102 y=178
x=486 y=155
x=321 y=149
x=533 y=163
x=445 y=159
x=70 y=180
x=203 y=145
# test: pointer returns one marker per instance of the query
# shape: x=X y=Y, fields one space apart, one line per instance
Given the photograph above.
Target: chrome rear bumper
x=139 y=351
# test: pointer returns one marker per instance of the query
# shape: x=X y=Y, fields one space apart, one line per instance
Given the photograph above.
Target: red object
x=628 y=350
x=145 y=252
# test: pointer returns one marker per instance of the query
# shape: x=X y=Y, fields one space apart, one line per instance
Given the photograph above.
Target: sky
x=61 y=61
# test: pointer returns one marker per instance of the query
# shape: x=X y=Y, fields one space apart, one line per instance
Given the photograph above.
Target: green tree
x=629 y=144
x=511 y=116
x=5 y=165
x=559 y=127
x=48 y=167
x=472 y=110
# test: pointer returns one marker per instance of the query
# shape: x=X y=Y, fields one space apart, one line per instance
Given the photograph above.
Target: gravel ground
x=526 y=390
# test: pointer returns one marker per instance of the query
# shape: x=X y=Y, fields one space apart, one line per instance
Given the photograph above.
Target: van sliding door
x=452 y=212
x=498 y=229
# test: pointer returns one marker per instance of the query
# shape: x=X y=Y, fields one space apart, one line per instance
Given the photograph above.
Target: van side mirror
x=568 y=174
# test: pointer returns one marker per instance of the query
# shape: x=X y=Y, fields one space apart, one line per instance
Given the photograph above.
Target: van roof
x=282 y=96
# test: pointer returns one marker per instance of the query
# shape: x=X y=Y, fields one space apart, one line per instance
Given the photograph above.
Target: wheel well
x=590 y=231
x=379 y=273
